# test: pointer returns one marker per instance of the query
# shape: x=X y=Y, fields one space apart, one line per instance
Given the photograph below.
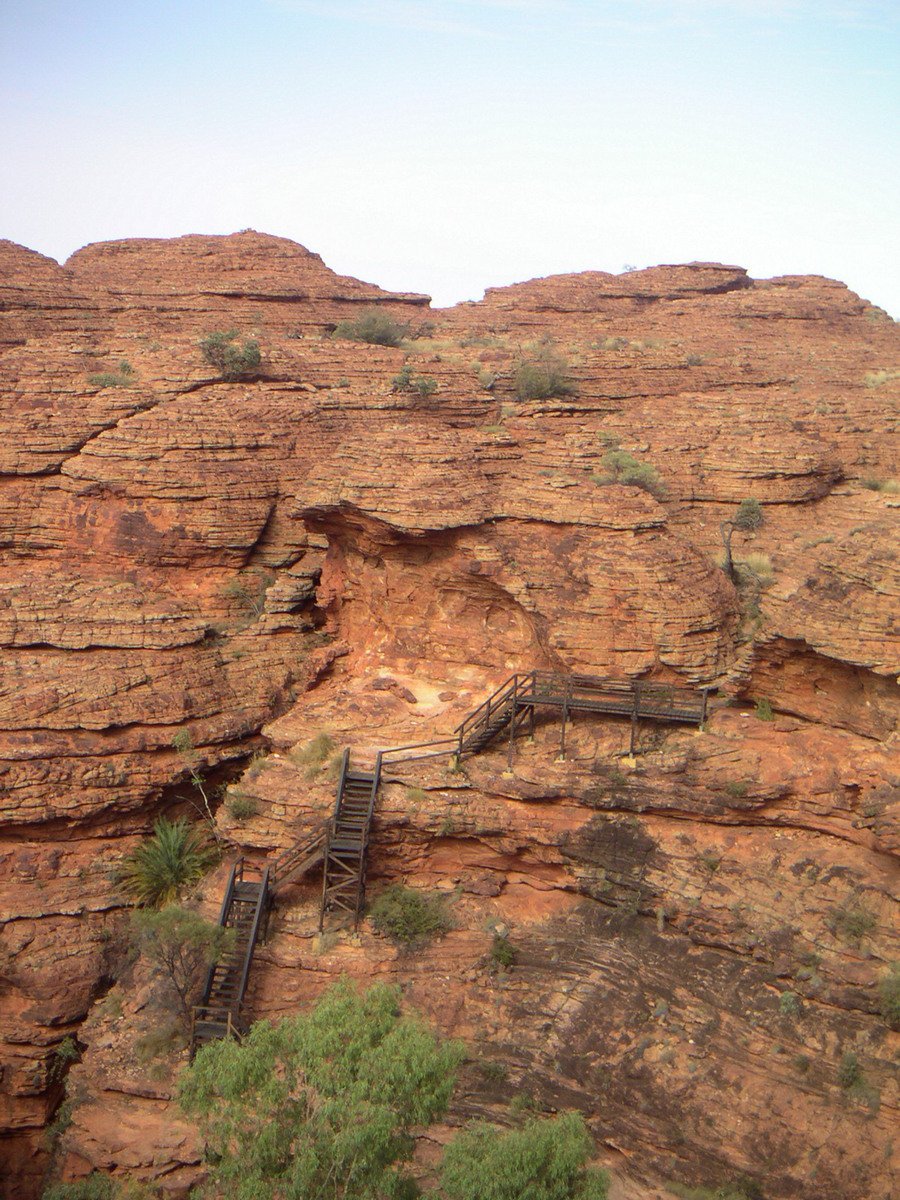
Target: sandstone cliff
x=311 y=549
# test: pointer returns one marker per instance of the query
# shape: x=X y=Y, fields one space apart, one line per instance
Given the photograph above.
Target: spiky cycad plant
x=161 y=868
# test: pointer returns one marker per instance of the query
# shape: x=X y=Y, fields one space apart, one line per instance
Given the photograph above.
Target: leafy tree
x=183 y=946
x=320 y=1106
x=542 y=1160
x=165 y=865
x=748 y=518
x=231 y=361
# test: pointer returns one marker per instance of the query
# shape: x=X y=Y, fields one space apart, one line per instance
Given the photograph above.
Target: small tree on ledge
x=748 y=518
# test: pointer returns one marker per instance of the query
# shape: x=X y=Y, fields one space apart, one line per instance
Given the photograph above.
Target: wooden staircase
x=343 y=880
x=341 y=844
x=244 y=909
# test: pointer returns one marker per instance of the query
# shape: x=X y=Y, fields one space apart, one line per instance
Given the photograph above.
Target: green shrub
x=742 y=1188
x=407 y=916
x=406 y=381
x=231 y=361
x=889 y=996
x=852 y=921
x=241 y=807
x=789 y=1004
x=374 y=326
x=321 y=1104
x=165 y=865
x=94 y=1187
x=503 y=952
x=849 y=1072
x=764 y=710
x=543 y=1160
x=541 y=373
x=183 y=946
x=736 y=788
x=621 y=467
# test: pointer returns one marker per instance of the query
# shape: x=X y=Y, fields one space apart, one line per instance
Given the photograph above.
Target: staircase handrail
x=223 y=917
x=259 y=912
x=345 y=763
x=444 y=742
x=296 y=852
x=481 y=715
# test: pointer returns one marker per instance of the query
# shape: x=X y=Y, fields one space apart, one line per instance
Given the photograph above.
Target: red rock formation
x=313 y=548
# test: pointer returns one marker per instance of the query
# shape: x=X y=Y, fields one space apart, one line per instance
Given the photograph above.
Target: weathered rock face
x=314 y=548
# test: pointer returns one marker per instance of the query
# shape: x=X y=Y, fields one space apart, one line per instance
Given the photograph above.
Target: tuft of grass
x=873 y=379
x=374 y=326
x=760 y=565
x=313 y=754
x=123 y=377
x=890 y=486
x=159 y=1043
x=409 y=917
x=167 y=864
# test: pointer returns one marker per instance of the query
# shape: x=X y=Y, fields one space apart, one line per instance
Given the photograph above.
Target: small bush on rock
x=231 y=361
x=374 y=326
x=543 y=1160
x=407 y=916
x=621 y=467
x=542 y=373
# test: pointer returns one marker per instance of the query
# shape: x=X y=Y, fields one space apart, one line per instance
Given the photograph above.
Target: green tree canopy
x=320 y=1106
x=542 y=1160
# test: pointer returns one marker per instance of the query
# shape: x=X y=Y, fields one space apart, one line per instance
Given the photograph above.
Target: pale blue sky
x=449 y=145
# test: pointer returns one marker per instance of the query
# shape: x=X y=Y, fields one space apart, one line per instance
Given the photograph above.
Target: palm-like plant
x=161 y=868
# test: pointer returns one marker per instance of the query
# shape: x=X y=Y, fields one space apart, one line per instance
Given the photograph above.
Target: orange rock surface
x=315 y=548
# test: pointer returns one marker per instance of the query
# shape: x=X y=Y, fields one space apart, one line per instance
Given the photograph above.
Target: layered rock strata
x=318 y=547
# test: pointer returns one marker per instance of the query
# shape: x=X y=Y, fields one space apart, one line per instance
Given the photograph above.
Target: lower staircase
x=244 y=909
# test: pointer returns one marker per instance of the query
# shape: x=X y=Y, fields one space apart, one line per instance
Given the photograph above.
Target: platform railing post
x=565 y=716
x=635 y=708
x=512 y=721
